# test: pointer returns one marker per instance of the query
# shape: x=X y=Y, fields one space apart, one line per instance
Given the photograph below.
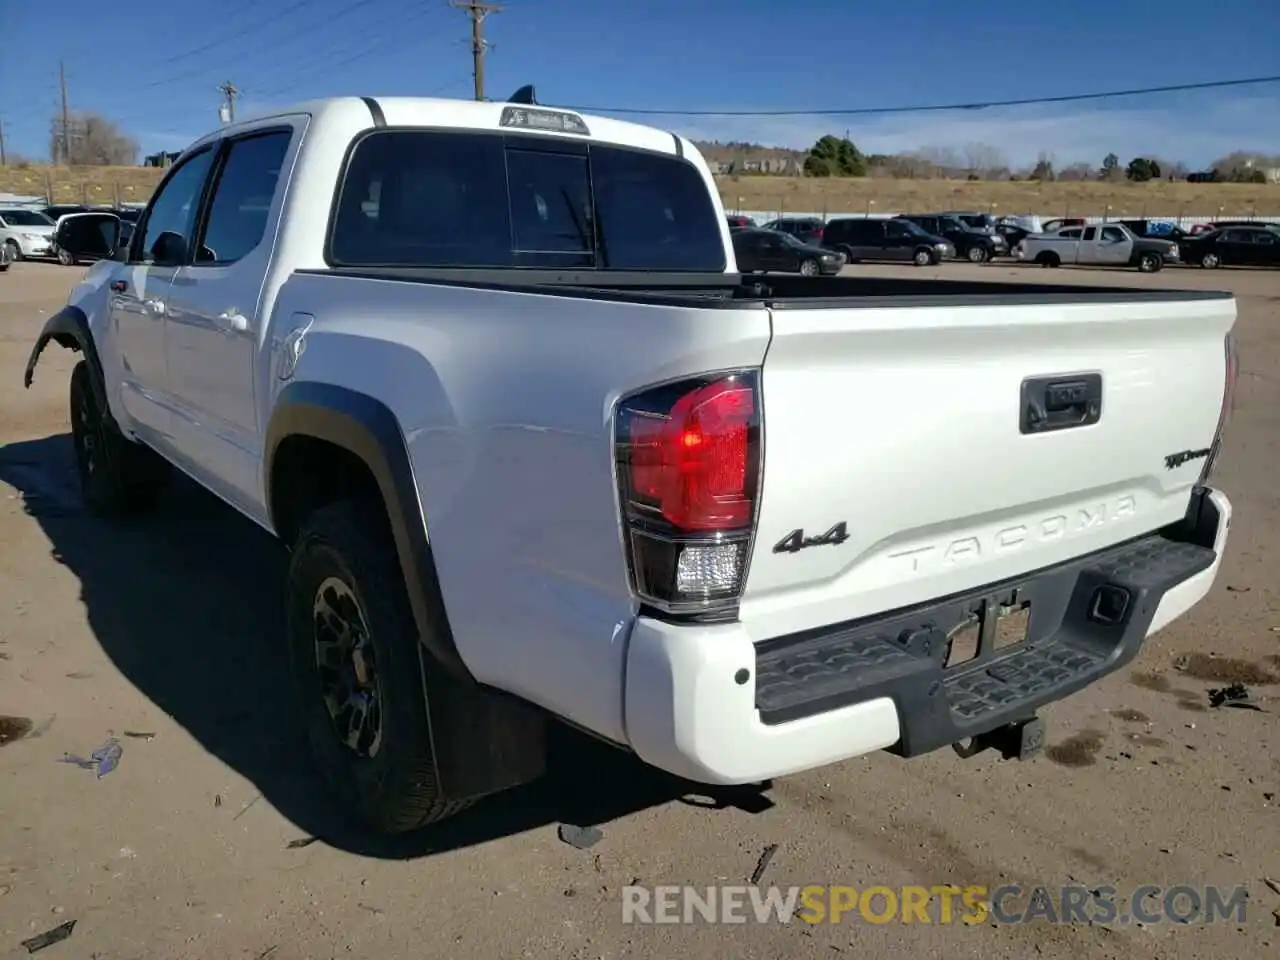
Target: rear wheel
x=810 y=268
x=117 y=476
x=1049 y=259
x=354 y=645
x=923 y=257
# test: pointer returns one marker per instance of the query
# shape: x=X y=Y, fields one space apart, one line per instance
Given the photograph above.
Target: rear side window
x=437 y=199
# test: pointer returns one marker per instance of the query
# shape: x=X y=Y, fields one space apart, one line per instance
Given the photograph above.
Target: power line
x=478 y=11
x=197 y=71
x=938 y=107
x=326 y=67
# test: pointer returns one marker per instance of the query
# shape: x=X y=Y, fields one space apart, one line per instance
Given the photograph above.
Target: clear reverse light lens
x=709 y=569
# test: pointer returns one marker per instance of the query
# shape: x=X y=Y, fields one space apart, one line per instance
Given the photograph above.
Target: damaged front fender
x=69 y=328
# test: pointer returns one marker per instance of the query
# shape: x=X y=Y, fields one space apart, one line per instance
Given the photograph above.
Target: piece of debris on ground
x=1235 y=695
x=300 y=843
x=49 y=937
x=581 y=837
x=140 y=734
x=105 y=759
x=762 y=864
x=13 y=728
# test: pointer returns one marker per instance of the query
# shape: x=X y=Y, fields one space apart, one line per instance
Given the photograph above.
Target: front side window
x=436 y=199
x=167 y=233
x=1113 y=234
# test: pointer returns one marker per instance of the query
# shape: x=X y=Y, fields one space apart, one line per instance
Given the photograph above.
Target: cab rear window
x=417 y=198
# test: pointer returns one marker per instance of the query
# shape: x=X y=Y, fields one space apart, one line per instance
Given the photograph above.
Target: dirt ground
x=211 y=839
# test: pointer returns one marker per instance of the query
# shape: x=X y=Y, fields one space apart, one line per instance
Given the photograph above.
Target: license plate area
x=990 y=625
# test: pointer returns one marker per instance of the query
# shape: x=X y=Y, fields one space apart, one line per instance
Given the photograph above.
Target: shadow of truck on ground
x=188 y=604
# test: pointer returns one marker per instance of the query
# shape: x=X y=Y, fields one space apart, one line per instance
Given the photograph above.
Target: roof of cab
x=428 y=112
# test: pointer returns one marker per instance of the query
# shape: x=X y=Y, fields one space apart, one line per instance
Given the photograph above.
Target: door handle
x=119 y=286
x=233 y=322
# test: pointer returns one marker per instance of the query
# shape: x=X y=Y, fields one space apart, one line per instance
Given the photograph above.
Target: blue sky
x=154 y=67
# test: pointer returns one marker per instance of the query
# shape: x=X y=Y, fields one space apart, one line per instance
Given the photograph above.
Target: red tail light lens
x=692 y=464
x=1228 y=404
x=688 y=461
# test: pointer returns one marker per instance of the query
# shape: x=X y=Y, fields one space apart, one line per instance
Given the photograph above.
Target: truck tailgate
x=901 y=428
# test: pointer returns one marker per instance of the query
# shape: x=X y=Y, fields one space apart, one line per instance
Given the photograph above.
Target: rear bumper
x=709 y=704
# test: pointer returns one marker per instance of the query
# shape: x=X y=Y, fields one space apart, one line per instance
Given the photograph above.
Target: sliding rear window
x=413 y=198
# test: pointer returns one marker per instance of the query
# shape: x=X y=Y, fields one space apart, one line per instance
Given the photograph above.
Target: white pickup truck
x=541 y=455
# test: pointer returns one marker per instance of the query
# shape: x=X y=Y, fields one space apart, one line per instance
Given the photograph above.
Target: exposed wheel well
x=307 y=472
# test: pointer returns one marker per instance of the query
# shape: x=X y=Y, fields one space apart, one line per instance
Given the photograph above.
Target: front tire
x=66 y=258
x=15 y=251
x=1210 y=261
x=354 y=647
x=117 y=476
x=810 y=268
x=923 y=258
x=1150 y=263
x=977 y=255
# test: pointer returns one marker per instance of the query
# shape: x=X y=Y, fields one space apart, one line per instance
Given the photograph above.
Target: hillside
x=801 y=194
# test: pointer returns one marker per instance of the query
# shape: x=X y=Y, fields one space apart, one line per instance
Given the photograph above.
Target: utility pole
x=477 y=10
x=4 y=160
x=227 y=112
x=66 y=115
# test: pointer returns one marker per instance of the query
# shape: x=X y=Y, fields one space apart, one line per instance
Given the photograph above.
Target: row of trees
x=834 y=156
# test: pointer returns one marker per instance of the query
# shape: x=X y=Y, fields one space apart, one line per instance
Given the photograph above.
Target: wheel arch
x=69 y=328
x=310 y=420
x=461 y=712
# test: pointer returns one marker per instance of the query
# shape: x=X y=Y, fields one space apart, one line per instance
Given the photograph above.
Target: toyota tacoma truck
x=542 y=455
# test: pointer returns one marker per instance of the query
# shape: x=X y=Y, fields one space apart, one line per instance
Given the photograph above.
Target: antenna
x=524 y=95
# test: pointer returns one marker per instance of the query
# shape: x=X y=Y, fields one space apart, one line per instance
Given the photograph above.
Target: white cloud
x=1197 y=131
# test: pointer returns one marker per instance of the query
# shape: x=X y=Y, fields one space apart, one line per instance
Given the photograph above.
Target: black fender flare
x=483 y=740
x=69 y=328
x=366 y=428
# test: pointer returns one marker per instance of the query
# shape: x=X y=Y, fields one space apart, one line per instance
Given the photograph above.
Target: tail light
x=1228 y=404
x=688 y=460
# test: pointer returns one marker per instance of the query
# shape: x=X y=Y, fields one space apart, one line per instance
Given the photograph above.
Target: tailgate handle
x=1060 y=402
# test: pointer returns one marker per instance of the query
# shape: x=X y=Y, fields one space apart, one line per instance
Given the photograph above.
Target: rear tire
x=1049 y=259
x=118 y=477
x=345 y=592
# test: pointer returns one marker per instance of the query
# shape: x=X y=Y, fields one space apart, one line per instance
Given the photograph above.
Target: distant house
x=741 y=158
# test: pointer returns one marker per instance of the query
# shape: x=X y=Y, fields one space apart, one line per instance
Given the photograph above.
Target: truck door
x=214 y=321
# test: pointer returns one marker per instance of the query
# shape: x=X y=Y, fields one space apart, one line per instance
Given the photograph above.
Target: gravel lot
x=200 y=843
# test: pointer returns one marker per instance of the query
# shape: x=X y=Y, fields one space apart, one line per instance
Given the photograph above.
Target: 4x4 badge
x=796 y=541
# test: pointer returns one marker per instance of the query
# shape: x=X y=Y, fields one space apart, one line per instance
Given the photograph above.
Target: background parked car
x=26 y=232
x=737 y=221
x=808 y=229
x=976 y=246
x=982 y=222
x=758 y=251
x=1232 y=247
x=860 y=238
x=1052 y=226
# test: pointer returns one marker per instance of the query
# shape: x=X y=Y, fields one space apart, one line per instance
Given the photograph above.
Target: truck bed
x=773 y=292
